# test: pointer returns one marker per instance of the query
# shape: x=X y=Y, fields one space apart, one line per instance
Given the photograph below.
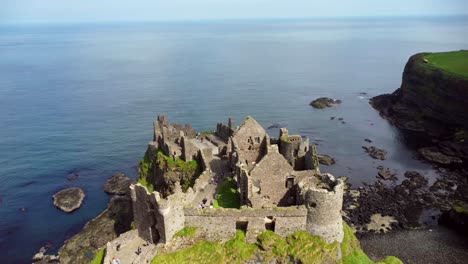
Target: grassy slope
x=455 y=61
x=298 y=247
x=227 y=196
x=99 y=258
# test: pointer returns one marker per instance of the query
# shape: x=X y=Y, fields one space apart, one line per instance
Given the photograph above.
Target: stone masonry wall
x=324 y=209
x=223 y=131
x=269 y=178
x=157 y=219
x=220 y=224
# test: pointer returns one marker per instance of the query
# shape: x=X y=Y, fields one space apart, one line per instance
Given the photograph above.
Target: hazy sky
x=46 y=11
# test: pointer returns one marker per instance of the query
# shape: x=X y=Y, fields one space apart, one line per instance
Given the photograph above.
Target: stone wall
x=269 y=179
x=157 y=219
x=221 y=224
x=223 y=131
x=189 y=150
x=250 y=141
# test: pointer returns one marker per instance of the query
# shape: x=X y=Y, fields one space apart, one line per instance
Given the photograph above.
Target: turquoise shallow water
x=83 y=98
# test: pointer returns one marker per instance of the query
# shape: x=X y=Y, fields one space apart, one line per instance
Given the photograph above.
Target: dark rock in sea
x=276 y=125
x=343 y=122
x=117 y=184
x=69 y=199
x=324 y=102
x=338 y=101
x=456 y=217
x=28 y=183
x=386 y=175
x=375 y=153
x=380 y=167
x=415 y=180
x=368 y=140
x=433 y=154
x=73 y=176
x=407 y=201
x=363 y=93
x=340 y=119
x=332 y=118
x=108 y=225
x=326 y=160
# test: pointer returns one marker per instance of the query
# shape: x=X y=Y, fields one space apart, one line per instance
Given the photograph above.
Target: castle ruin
x=279 y=184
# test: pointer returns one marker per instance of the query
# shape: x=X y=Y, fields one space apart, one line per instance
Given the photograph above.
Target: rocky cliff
x=433 y=102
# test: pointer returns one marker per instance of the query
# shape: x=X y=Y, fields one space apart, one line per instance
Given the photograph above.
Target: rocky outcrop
x=434 y=155
x=456 y=217
x=112 y=222
x=430 y=103
x=118 y=184
x=324 y=102
x=326 y=160
x=375 y=153
x=69 y=199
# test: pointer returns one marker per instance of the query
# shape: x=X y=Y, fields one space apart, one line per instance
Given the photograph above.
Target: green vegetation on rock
x=187 y=231
x=188 y=171
x=143 y=171
x=177 y=169
x=227 y=197
x=461 y=207
x=454 y=62
x=99 y=258
x=299 y=247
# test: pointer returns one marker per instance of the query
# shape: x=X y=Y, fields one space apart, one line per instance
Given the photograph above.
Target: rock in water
x=323 y=102
x=69 y=199
x=117 y=184
x=386 y=174
x=434 y=155
x=375 y=153
x=326 y=160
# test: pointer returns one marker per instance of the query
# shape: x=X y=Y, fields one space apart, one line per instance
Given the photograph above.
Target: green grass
x=149 y=186
x=454 y=61
x=461 y=207
x=299 y=247
x=143 y=171
x=227 y=197
x=187 y=231
x=208 y=132
x=235 y=250
x=99 y=258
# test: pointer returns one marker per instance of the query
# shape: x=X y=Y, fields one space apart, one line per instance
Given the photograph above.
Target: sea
x=80 y=99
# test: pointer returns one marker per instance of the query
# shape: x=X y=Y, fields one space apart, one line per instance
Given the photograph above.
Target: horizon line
x=200 y=20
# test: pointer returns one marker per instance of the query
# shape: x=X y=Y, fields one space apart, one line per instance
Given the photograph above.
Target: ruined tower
x=324 y=202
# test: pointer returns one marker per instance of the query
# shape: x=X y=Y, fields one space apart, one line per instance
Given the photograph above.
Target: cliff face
x=427 y=95
x=432 y=101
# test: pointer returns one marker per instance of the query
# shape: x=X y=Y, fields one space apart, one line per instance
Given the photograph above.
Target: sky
x=63 y=11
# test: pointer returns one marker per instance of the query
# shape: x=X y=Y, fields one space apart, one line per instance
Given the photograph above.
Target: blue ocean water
x=83 y=97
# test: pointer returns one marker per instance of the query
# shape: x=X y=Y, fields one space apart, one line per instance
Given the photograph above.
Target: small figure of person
x=204 y=200
x=147 y=242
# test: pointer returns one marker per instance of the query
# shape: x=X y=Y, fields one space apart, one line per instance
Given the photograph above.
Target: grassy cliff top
x=453 y=61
